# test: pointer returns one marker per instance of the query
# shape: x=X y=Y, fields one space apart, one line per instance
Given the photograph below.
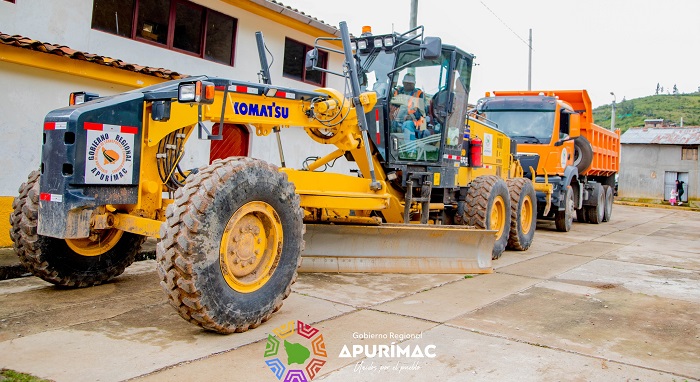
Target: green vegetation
x=632 y=113
x=7 y=375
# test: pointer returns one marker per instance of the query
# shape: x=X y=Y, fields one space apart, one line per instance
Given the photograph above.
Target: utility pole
x=413 y=21
x=529 y=66
x=612 y=117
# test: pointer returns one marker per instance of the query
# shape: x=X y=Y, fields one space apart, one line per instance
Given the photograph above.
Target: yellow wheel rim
x=97 y=244
x=526 y=215
x=498 y=216
x=251 y=247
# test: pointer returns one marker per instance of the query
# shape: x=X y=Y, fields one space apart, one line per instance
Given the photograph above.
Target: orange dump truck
x=572 y=160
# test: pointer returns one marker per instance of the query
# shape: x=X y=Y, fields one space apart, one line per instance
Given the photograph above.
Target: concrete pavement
x=612 y=302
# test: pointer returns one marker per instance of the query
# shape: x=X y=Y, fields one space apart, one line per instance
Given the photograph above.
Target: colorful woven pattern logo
x=295 y=357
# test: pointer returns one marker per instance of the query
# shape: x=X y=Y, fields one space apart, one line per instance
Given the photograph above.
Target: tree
x=675 y=89
x=658 y=88
x=662 y=89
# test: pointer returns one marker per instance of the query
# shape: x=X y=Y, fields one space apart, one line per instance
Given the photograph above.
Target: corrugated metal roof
x=62 y=50
x=662 y=136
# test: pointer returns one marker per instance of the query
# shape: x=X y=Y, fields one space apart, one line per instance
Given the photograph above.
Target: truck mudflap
x=397 y=248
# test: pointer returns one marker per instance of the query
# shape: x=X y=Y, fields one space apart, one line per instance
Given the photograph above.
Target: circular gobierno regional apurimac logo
x=296 y=352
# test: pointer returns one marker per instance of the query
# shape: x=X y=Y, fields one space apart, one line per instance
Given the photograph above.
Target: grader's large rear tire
x=231 y=245
x=564 y=218
x=488 y=207
x=67 y=262
x=523 y=213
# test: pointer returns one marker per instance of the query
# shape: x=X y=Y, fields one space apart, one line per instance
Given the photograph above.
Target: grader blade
x=395 y=248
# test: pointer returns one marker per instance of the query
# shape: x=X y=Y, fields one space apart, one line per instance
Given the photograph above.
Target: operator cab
x=422 y=99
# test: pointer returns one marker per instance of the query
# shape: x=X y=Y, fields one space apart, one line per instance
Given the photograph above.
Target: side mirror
x=431 y=48
x=311 y=59
x=561 y=141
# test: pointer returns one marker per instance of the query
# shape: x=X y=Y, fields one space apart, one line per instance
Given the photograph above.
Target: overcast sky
x=604 y=46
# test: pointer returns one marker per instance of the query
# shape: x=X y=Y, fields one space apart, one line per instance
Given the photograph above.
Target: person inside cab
x=409 y=109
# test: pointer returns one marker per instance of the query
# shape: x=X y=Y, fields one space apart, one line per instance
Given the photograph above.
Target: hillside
x=632 y=113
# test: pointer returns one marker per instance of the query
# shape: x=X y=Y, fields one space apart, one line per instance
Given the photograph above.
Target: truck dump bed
x=605 y=143
x=606 y=149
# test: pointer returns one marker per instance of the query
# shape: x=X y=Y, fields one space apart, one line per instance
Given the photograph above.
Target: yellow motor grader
x=234 y=233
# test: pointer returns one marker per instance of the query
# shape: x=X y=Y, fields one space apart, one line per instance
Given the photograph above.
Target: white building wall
x=29 y=94
x=642 y=169
x=67 y=22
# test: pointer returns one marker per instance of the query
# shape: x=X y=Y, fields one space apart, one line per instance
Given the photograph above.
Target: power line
x=506 y=25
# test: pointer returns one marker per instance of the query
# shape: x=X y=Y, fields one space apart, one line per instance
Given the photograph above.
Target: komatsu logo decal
x=258 y=110
x=109 y=158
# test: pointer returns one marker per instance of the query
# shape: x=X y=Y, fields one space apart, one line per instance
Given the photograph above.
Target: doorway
x=670 y=184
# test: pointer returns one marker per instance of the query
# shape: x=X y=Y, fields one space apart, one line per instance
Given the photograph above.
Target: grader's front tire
x=523 y=213
x=488 y=207
x=67 y=262
x=231 y=245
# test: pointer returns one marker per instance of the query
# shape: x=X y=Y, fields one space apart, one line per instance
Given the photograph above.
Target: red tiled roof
x=62 y=50
x=302 y=13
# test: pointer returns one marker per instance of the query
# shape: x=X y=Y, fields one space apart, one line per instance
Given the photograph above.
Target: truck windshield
x=525 y=126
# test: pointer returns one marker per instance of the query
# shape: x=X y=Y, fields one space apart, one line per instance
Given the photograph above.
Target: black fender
x=571 y=177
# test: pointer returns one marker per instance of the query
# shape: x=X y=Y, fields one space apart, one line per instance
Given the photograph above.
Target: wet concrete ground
x=613 y=302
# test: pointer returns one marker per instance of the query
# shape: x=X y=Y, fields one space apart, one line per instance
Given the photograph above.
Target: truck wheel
x=523 y=213
x=608 y=203
x=581 y=215
x=231 y=245
x=72 y=263
x=583 y=154
x=596 y=212
x=488 y=207
x=564 y=218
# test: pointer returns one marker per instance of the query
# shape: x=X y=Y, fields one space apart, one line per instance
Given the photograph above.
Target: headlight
x=76 y=98
x=196 y=92
x=186 y=92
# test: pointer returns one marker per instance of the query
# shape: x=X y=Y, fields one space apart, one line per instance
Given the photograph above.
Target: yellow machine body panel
x=496 y=153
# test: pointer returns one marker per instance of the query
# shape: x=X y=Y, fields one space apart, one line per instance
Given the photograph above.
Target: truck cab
x=572 y=160
x=542 y=126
